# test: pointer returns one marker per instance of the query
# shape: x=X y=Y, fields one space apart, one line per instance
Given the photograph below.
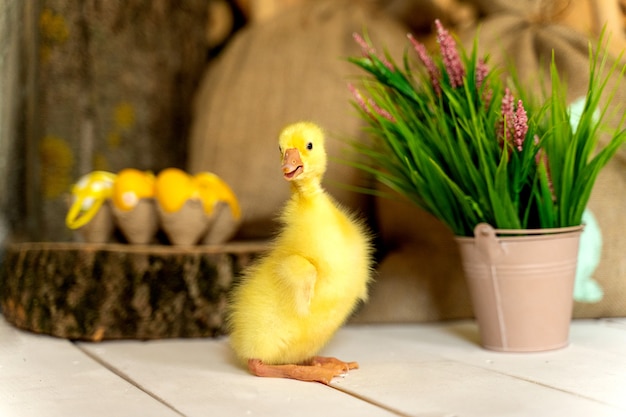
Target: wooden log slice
x=116 y=291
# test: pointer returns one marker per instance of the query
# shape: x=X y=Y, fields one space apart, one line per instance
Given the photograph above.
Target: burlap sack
x=283 y=70
x=419 y=277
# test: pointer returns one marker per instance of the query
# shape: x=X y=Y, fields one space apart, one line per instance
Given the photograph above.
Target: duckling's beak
x=292 y=164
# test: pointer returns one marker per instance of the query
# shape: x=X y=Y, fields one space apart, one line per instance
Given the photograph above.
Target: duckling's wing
x=299 y=276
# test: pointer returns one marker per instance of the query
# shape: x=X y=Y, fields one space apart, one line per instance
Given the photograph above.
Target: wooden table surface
x=406 y=370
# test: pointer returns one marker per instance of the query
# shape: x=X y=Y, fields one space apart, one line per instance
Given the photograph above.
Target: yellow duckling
x=290 y=304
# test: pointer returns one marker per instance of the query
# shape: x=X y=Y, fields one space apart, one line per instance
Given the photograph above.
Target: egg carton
x=190 y=225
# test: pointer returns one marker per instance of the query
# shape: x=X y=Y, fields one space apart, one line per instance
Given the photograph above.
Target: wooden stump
x=116 y=291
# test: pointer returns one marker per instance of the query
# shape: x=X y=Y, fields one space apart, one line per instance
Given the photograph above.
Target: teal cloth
x=586 y=289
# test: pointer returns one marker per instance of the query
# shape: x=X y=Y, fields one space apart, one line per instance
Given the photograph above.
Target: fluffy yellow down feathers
x=289 y=305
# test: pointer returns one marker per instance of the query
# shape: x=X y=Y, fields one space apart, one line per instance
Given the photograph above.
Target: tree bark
x=115 y=291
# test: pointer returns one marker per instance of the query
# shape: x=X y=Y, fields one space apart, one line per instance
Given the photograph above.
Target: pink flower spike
x=507 y=117
x=481 y=72
x=487 y=96
x=359 y=99
x=365 y=47
x=428 y=62
x=369 y=51
x=542 y=158
x=507 y=105
x=366 y=105
x=520 y=126
x=450 y=56
x=387 y=64
x=381 y=112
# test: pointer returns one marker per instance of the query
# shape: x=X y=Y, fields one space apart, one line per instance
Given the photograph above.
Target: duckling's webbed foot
x=318 y=369
x=339 y=366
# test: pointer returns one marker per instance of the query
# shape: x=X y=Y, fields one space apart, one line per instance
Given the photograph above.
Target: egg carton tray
x=95 y=292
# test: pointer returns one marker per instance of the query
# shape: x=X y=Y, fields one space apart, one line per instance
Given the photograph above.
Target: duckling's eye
x=280 y=149
x=309 y=145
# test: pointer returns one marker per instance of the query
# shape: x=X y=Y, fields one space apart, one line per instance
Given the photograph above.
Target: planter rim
x=523 y=232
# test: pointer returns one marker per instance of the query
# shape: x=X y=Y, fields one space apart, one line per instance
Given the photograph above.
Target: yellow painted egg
x=131 y=185
x=88 y=195
x=173 y=188
x=212 y=189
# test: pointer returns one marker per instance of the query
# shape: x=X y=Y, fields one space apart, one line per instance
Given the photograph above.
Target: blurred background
x=205 y=85
x=114 y=84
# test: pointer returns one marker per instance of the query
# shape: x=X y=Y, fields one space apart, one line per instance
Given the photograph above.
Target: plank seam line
x=544 y=385
x=128 y=379
x=370 y=401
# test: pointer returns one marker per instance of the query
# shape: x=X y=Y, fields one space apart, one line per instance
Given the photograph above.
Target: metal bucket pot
x=522 y=285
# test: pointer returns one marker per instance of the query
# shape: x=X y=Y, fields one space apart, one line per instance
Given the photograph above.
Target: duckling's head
x=302 y=151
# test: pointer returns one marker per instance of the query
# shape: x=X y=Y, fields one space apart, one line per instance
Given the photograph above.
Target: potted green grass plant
x=490 y=159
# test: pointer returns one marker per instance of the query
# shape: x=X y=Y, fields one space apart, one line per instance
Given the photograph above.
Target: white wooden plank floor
x=407 y=370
